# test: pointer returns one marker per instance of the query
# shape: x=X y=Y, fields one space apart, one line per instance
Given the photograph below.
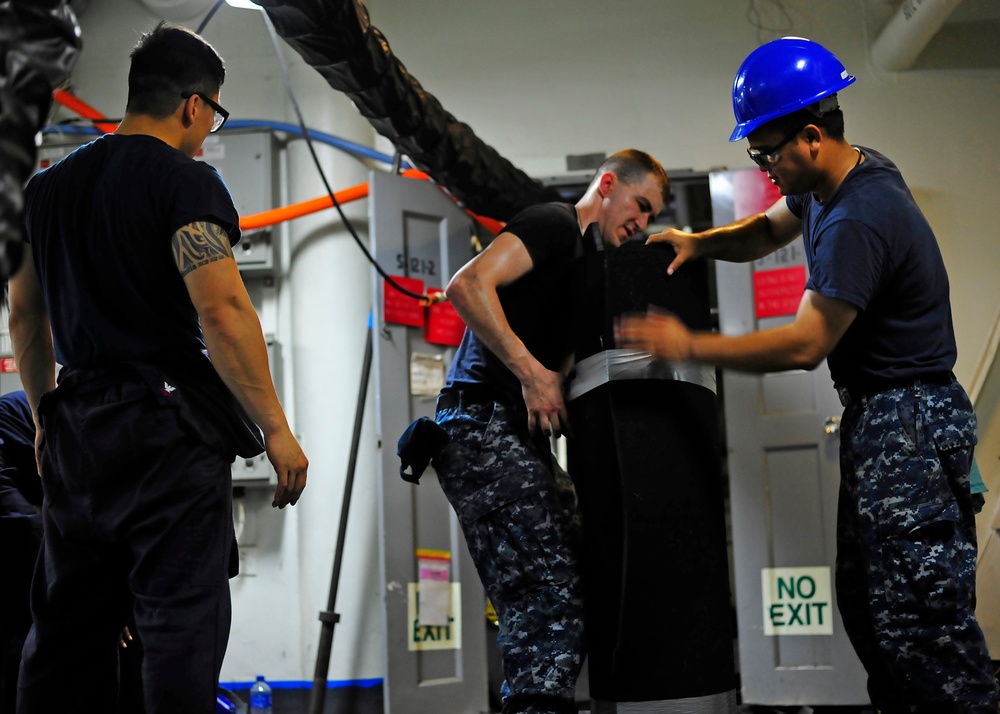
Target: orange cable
x=75 y=104
x=303 y=208
x=297 y=210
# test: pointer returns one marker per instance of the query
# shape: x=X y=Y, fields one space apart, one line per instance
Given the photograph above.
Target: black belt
x=473 y=394
x=856 y=392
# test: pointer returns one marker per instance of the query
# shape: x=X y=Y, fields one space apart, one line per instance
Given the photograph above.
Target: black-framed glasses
x=220 y=114
x=766 y=158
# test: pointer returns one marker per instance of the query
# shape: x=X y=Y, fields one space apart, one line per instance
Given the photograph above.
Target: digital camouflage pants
x=906 y=550
x=518 y=511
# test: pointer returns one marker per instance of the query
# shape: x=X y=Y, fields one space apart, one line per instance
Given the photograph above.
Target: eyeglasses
x=220 y=114
x=766 y=158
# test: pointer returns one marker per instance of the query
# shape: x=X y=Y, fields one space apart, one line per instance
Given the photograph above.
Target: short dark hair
x=831 y=121
x=632 y=166
x=167 y=61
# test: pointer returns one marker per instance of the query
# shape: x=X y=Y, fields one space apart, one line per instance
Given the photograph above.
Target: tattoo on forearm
x=198 y=244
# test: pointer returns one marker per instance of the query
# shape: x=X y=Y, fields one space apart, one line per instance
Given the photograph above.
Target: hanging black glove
x=421 y=442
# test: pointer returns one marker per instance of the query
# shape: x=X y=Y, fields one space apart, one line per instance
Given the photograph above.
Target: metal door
x=417 y=233
x=783 y=440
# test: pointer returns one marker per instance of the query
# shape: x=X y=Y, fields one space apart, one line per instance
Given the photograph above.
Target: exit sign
x=797 y=601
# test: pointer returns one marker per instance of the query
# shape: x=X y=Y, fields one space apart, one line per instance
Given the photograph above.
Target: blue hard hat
x=781 y=77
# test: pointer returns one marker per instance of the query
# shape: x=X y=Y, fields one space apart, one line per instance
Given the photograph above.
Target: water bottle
x=260 y=697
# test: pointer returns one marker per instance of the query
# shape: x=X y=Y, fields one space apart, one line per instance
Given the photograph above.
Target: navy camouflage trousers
x=518 y=511
x=906 y=550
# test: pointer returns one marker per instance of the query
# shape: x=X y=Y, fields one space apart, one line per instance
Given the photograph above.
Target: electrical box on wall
x=247 y=162
x=256 y=253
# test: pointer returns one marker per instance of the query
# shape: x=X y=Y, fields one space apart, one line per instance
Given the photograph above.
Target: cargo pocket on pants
x=922 y=558
x=514 y=540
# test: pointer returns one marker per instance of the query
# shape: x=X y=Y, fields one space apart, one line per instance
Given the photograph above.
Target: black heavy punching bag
x=644 y=455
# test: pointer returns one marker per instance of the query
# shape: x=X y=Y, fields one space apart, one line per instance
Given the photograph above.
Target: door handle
x=831 y=426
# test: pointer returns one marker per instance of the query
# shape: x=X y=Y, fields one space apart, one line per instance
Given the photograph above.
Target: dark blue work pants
x=906 y=551
x=137 y=514
x=519 y=514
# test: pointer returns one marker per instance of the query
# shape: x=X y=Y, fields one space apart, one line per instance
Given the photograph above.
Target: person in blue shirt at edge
x=877 y=305
x=503 y=397
x=20 y=534
x=164 y=380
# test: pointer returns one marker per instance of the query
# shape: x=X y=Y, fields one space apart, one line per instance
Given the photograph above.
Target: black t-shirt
x=535 y=305
x=100 y=224
x=870 y=245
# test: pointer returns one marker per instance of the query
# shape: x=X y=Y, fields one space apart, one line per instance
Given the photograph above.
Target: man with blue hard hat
x=876 y=305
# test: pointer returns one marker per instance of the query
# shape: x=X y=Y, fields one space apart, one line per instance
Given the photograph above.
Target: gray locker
x=418 y=233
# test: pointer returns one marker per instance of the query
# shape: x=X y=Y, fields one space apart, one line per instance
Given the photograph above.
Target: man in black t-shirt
x=504 y=397
x=131 y=264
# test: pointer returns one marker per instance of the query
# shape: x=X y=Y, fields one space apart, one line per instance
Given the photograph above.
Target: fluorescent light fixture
x=244 y=4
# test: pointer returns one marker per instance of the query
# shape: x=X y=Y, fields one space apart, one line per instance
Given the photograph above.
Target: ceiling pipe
x=909 y=32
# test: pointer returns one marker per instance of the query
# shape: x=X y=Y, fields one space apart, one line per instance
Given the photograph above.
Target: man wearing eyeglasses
x=876 y=305
x=164 y=380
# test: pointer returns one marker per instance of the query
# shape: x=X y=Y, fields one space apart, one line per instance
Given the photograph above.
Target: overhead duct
x=336 y=38
x=909 y=32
